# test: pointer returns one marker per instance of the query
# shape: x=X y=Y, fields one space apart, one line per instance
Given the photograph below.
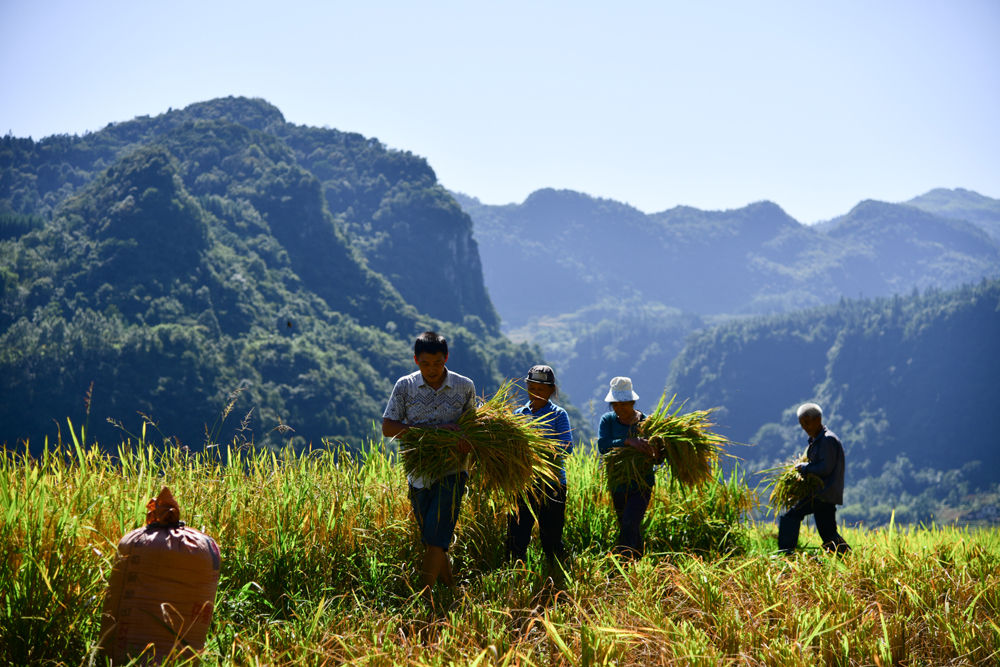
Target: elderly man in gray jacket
x=826 y=461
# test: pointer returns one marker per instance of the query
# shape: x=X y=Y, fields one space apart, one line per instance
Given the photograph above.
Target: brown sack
x=162 y=589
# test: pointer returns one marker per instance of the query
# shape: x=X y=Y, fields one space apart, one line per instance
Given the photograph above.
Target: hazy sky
x=813 y=105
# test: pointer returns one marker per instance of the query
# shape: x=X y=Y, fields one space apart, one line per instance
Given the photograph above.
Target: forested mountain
x=174 y=265
x=909 y=383
x=699 y=267
x=216 y=271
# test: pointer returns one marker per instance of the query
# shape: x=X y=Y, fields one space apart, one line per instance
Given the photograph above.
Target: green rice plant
x=42 y=565
x=319 y=557
x=788 y=486
x=508 y=454
x=590 y=518
x=708 y=519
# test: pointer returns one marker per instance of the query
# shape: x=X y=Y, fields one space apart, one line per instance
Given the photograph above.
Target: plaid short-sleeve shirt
x=414 y=402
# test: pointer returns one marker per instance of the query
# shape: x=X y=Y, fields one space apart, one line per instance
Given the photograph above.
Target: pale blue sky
x=813 y=105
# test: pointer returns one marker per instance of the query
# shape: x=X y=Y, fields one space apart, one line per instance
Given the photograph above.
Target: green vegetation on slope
x=908 y=383
x=166 y=268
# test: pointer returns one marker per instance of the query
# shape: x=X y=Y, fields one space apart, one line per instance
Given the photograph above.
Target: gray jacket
x=826 y=461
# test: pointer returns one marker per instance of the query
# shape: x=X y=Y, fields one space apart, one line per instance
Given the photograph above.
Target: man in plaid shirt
x=432 y=397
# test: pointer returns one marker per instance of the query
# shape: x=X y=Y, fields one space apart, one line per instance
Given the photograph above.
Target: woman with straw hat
x=619 y=428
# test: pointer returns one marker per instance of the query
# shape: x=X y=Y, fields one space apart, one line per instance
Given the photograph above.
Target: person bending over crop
x=619 y=428
x=548 y=502
x=826 y=461
x=432 y=397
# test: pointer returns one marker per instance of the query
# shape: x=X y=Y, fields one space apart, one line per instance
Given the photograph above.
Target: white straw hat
x=621 y=390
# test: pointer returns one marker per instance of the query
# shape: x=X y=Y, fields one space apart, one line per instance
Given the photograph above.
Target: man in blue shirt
x=826 y=461
x=548 y=502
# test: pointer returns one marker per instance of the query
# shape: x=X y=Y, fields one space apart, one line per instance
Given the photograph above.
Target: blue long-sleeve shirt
x=826 y=461
x=556 y=427
x=613 y=433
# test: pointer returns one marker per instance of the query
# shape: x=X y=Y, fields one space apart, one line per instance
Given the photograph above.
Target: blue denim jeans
x=436 y=509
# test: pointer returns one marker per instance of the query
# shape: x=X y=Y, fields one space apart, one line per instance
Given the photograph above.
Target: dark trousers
x=825 y=515
x=630 y=507
x=549 y=506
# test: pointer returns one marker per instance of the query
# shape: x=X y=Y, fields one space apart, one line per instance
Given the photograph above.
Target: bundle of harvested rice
x=509 y=452
x=683 y=441
x=789 y=487
x=626 y=464
x=431 y=453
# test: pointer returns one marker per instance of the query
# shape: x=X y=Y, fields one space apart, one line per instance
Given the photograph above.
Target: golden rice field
x=319 y=558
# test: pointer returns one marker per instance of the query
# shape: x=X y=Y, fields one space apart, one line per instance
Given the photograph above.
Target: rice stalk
x=509 y=452
x=625 y=465
x=431 y=453
x=683 y=441
x=789 y=487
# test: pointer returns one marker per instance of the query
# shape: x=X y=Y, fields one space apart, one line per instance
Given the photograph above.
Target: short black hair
x=431 y=342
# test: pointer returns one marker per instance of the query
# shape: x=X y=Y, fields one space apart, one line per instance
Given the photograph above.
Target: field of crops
x=320 y=553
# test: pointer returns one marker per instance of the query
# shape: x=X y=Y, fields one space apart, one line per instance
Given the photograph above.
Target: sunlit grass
x=319 y=558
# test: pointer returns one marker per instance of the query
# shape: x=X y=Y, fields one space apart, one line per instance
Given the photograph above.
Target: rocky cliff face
x=406 y=226
x=426 y=249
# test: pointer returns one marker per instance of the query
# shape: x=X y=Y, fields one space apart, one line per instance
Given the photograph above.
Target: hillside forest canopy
x=171 y=270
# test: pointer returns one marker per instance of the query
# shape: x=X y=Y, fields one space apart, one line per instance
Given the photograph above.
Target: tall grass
x=320 y=556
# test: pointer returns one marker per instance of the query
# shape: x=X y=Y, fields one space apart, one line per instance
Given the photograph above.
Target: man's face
x=811 y=424
x=431 y=366
x=540 y=390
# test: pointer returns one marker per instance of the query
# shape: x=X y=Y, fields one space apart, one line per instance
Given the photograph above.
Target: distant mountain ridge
x=962 y=204
x=708 y=265
x=756 y=259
